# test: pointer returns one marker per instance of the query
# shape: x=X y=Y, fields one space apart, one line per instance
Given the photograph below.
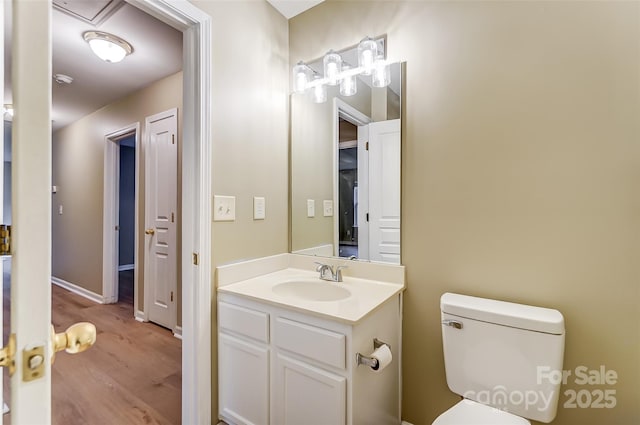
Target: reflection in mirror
x=345 y=169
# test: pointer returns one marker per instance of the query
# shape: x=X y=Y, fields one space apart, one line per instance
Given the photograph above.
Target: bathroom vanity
x=288 y=344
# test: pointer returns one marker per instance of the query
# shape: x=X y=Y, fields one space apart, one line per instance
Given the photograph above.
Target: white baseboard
x=406 y=423
x=177 y=332
x=125 y=267
x=79 y=290
x=139 y=316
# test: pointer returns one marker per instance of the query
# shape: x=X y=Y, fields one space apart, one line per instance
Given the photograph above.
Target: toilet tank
x=503 y=354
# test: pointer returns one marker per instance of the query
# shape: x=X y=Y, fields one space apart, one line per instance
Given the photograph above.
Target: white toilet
x=504 y=359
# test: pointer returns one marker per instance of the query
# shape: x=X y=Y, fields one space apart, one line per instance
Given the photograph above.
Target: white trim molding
x=177 y=332
x=139 y=316
x=196 y=201
x=79 y=290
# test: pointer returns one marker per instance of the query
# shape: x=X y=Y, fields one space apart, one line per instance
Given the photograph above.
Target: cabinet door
x=243 y=379
x=307 y=395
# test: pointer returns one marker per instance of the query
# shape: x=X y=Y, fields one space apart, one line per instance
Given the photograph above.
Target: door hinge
x=5 y=239
x=8 y=353
x=367 y=217
x=171 y=296
x=117 y=227
x=195 y=259
x=173 y=217
x=366 y=146
x=173 y=139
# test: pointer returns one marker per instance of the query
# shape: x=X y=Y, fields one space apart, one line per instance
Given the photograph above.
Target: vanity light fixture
x=348 y=85
x=108 y=47
x=371 y=61
x=301 y=76
x=381 y=75
x=62 y=79
x=319 y=90
x=367 y=53
x=332 y=67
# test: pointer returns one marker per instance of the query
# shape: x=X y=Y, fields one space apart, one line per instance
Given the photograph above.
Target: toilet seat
x=468 y=412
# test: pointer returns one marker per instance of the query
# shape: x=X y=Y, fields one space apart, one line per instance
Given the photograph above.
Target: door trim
x=196 y=203
x=111 y=209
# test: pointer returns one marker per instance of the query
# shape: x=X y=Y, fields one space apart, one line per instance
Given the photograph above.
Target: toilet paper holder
x=370 y=361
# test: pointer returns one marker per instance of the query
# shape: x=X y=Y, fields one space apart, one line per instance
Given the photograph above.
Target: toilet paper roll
x=384 y=357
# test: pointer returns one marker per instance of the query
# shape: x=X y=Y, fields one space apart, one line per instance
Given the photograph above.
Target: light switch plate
x=327 y=208
x=311 y=208
x=258 y=208
x=224 y=208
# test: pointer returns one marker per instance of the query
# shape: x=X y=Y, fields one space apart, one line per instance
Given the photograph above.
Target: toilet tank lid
x=504 y=313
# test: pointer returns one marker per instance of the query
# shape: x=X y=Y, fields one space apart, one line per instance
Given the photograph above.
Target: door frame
x=342 y=109
x=111 y=212
x=196 y=204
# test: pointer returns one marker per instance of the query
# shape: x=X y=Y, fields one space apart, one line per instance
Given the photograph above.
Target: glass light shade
x=319 y=92
x=108 y=47
x=381 y=76
x=300 y=77
x=332 y=67
x=348 y=86
x=367 y=52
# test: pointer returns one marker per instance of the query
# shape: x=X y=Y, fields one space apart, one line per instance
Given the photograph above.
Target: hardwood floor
x=132 y=375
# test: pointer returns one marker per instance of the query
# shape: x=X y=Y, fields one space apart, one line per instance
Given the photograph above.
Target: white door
x=161 y=200
x=31 y=205
x=384 y=191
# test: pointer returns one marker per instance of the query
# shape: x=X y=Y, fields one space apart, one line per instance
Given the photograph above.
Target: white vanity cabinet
x=284 y=366
x=243 y=356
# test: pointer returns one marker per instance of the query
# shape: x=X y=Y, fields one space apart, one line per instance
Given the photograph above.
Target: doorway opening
x=351 y=176
x=121 y=212
x=348 y=188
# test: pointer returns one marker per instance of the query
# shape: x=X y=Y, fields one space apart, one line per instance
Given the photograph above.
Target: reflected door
x=384 y=191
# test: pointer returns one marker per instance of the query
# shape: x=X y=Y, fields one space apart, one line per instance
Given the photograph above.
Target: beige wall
x=78 y=169
x=249 y=122
x=521 y=173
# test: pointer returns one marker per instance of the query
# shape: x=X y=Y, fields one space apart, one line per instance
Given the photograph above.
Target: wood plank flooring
x=132 y=375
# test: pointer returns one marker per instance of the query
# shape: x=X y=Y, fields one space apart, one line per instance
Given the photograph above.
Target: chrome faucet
x=327 y=272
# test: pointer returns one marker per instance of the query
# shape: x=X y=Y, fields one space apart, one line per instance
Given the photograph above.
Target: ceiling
x=157 y=53
x=291 y=8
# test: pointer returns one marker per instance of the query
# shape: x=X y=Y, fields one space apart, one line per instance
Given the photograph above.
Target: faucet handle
x=338 y=273
x=320 y=266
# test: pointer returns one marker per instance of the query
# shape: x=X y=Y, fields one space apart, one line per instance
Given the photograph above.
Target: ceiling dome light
x=108 y=47
x=62 y=79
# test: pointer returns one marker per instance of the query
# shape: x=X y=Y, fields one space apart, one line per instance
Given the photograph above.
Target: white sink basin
x=311 y=290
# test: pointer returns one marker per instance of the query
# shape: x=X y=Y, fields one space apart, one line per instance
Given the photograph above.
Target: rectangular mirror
x=345 y=169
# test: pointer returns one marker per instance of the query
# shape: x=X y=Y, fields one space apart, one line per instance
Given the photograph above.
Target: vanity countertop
x=365 y=294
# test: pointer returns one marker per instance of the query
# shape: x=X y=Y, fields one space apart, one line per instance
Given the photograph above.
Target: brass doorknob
x=76 y=339
x=150 y=231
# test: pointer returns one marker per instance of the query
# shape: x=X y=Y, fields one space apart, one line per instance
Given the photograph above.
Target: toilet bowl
x=499 y=357
x=469 y=412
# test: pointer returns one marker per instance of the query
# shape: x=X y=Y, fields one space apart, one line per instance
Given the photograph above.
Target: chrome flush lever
x=453 y=323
